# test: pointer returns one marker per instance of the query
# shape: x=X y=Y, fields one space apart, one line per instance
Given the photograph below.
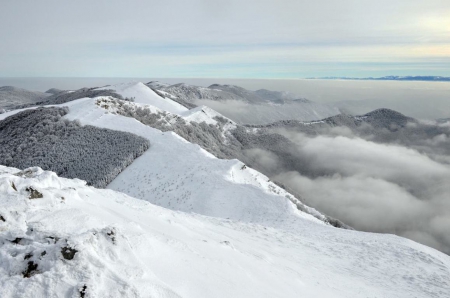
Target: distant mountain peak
x=54 y=91
x=392 y=78
x=10 y=88
x=385 y=112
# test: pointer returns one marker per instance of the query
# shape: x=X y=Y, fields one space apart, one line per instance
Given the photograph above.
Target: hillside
x=13 y=96
x=179 y=222
x=381 y=125
x=87 y=242
x=42 y=137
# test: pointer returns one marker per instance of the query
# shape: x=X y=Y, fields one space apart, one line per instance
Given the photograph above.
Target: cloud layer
x=371 y=186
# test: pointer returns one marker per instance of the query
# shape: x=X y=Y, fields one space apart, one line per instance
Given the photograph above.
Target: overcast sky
x=241 y=39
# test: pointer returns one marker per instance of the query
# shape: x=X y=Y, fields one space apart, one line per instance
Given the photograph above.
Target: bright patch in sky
x=241 y=39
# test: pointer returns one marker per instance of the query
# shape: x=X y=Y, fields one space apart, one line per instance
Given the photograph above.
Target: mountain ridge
x=390 y=78
x=213 y=216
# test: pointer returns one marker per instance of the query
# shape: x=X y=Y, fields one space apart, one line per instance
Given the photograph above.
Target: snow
x=179 y=175
x=166 y=94
x=145 y=95
x=220 y=229
x=201 y=114
x=206 y=114
x=127 y=247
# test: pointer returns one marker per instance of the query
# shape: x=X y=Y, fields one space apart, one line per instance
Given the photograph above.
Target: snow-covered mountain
x=13 y=96
x=224 y=92
x=279 y=96
x=392 y=78
x=381 y=125
x=380 y=118
x=246 y=106
x=174 y=154
x=60 y=237
x=221 y=229
x=192 y=93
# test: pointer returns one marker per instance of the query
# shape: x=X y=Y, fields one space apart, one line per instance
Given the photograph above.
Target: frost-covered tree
x=41 y=137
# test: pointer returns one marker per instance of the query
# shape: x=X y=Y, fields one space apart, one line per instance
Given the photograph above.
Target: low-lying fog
x=375 y=187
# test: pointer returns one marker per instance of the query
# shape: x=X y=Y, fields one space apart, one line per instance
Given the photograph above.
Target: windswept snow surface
x=125 y=247
x=145 y=95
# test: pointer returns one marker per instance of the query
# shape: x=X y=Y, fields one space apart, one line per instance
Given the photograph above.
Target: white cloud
x=374 y=187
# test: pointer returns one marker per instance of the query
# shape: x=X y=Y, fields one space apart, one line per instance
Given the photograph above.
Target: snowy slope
x=77 y=239
x=145 y=95
x=240 y=235
x=200 y=114
x=179 y=175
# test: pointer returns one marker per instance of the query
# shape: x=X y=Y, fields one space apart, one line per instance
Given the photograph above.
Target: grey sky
x=200 y=38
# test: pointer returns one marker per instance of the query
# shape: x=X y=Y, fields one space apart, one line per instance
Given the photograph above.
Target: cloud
x=267 y=161
x=370 y=186
x=367 y=203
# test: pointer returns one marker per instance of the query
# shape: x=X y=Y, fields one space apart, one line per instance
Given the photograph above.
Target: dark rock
x=34 y=194
x=31 y=270
x=83 y=291
x=17 y=240
x=68 y=252
x=111 y=235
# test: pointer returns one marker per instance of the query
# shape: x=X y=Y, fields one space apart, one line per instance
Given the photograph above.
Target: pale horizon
x=233 y=39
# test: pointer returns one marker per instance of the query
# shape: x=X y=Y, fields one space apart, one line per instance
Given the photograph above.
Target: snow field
x=220 y=230
x=127 y=247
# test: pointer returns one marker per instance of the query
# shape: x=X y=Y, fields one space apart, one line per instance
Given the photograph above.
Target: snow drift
x=77 y=241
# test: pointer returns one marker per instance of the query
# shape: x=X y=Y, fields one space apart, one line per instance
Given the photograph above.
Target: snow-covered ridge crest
x=182 y=176
x=143 y=94
x=216 y=187
x=61 y=237
x=179 y=175
x=237 y=174
x=198 y=115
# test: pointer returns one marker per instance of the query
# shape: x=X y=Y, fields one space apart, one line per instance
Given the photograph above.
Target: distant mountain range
x=12 y=96
x=220 y=92
x=246 y=106
x=392 y=78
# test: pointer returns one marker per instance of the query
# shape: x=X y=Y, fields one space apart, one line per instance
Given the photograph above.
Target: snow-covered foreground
x=78 y=239
x=220 y=230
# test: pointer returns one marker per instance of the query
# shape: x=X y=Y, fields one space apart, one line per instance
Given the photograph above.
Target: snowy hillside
x=179 y=175
x=221 y=229
x=60 y=237
x=142 y=94
x=164 y=174
x=12 y=96
x=42 y=137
